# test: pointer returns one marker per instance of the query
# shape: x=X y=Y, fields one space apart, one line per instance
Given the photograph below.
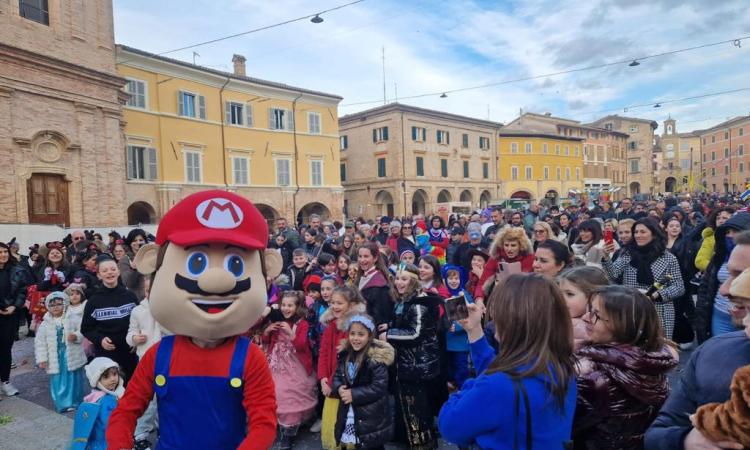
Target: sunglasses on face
x=539 y=231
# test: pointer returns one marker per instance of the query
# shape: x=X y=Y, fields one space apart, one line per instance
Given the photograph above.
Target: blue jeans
x=721 y=323
x=148 y=422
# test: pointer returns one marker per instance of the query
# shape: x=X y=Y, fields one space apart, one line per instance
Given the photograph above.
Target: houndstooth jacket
x=661 y=268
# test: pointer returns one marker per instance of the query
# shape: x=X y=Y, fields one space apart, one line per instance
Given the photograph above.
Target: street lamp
x=316 y=19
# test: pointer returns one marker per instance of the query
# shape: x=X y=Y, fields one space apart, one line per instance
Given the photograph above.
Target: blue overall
x=198 y=412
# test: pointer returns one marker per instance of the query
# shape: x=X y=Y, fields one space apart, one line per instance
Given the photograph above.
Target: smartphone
x=608 y=237
x=275 y=315
x=456 y=308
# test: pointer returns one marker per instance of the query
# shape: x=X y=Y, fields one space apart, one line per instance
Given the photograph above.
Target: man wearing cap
x=213 y=388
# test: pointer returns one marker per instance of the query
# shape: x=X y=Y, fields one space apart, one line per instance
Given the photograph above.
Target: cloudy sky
x=435 y=46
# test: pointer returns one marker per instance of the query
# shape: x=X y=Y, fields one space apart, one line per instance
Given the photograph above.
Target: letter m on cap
x=219 y=213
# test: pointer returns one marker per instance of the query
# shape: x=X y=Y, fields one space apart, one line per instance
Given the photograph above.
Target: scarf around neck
x=641 y=259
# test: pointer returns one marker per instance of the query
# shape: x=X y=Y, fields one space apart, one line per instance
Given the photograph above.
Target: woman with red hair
x=510 y=246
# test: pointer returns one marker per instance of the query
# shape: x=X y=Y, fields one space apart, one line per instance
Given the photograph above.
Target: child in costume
x=345 y=303
x=58 y=349
x=74 y=314
x=365 y=420
x=457 y=341
x=290 y=360
x=92 y=417
x=213 y=387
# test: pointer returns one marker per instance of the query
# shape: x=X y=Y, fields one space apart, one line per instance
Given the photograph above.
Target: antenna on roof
x=384 y=101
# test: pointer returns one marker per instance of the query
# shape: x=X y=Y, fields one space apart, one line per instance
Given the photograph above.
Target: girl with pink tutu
x=290 y=359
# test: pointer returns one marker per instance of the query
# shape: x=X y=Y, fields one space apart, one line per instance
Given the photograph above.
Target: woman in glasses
x=542 y=231
x=622 y=380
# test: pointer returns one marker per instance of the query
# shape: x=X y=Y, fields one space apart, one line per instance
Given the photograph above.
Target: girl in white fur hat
x=92 y=418
x=58 y=350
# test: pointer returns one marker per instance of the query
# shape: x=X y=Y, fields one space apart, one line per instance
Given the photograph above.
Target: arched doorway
x=466 y=196
x=552 y=196
x=384 y=204
x=669 y=184
x=140 y=213
x=313 y=208
x=419 y=202
x=269 y=213
x=635 y=188
x=444 y=197
x=485 y=199
x=521 y=195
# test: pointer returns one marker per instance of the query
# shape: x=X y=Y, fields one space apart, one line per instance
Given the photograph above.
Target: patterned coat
x=662 y=267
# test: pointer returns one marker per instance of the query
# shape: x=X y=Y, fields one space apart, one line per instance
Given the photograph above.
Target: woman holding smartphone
x=510 y=253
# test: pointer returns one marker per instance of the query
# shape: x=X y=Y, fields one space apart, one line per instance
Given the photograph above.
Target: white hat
x=57 y=295
x=97 y=367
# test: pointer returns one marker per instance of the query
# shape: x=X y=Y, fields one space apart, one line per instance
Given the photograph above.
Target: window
x=283 y=172
x=514 y=147
x=240 y=171
x=578 y=173
x=380 y=134
x=344 y=142
x=741 y=132
x=514 y=173
x=420 y=166
x=704 y=157
x=546 y=173
x=280 y=119
x=485 y=170
x=544 y=148
x=443 y=137
x=186 y=105
x=713 y=156
x=343 y=172
x=313 y=123
x=713 y=139
x=685 y=164
x=141 y=163
x=466 y=169
x=235 y=114
x=713 y=171
x=484 y=143
x=726 y=135
x=684 y=146
x=575 y=151
x=137 y=91
x=558 y=173
x=726 y=170
x=418 y=134
x=193 y=167
x=527 y=147
x=632 y=145
x=465 y=141
x=633 y=128
x=704 y=141
x=567 y=151
x=634 y=166
x=741 y=150
x=316 y=172
x=608 y=126
x=443 y=168
x=36 y=10
x=726 y=152
x=381 y=167
x=529 y=173
x=567 y=173
x=557 y=149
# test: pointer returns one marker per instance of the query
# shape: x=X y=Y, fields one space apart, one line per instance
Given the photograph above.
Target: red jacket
x=490 y=269
x=301 y=343
x=332 y=336
x=189 y=359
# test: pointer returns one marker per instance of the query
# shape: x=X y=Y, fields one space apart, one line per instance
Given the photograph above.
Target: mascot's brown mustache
x=191 y=286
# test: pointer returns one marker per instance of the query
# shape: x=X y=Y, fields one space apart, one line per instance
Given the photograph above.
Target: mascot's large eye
x=197 y=263
x=235 y=264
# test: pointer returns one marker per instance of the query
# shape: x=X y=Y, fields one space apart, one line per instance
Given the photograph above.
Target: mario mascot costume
x=213 y=388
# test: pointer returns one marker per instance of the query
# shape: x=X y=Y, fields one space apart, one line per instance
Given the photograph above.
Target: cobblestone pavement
x=55 y=428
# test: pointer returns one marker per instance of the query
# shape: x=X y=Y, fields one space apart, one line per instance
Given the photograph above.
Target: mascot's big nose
x=216 y=281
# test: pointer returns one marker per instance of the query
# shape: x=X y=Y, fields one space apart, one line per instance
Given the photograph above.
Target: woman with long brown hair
x=532 y=377
x=623 y=371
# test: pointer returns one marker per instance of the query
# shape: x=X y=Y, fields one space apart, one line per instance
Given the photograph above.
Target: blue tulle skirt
x=67 y=386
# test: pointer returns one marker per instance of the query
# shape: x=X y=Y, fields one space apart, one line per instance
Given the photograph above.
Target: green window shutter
x=131 y=161
x=385 y=133
x=151 y=167
x=374 y=135
x=180 y=104
x=289 y=120
x=424 y=134
x=227 y=112
x=271 y=119
x=248 y=114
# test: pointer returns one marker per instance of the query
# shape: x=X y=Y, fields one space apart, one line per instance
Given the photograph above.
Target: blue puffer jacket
x=472 y=415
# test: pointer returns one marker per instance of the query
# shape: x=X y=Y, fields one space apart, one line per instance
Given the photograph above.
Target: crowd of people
x=569 y=321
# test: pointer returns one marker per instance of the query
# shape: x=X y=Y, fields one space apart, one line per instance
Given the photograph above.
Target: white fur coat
x=45 y=346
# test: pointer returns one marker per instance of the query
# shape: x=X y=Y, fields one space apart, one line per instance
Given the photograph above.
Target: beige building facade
x=642 y=152
x=680 y=163
x=725 y=156
x=400 y=160
x=60 y=115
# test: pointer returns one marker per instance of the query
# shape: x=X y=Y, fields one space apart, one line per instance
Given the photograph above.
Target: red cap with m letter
x=214 y=216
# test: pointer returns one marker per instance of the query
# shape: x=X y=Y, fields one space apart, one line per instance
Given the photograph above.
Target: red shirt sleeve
x=527 y=263
x=259 y=402
x=325 y=351
x=133 y=404
x=490 y=269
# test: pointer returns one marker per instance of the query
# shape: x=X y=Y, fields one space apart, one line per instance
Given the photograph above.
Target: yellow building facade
x=539 y=166
x=190 y=128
